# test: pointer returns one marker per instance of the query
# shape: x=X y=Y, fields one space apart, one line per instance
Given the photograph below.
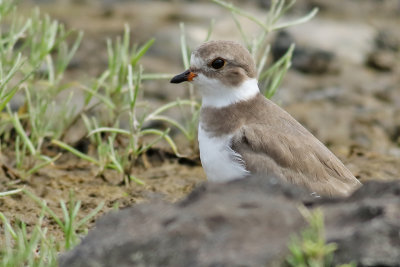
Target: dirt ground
x=352 y=103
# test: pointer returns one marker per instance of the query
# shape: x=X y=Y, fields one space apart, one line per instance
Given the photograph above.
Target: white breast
x=219 y=161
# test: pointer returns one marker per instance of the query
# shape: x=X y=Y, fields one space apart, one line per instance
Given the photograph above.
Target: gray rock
x=243 y=223
x=387 y=40
x=381 y=60
x=305 y=59
x=366 y=227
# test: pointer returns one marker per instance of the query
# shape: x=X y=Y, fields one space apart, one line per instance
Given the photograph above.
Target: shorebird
x=242 y=133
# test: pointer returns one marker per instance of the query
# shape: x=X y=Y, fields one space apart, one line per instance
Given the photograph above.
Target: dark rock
x=83 y=145
x=383 y=57
x=366 y=226
x=265 y=4
x=304 y=59
x=381 y=60
x=387 y=40
x=281 y=44
x=243 y=223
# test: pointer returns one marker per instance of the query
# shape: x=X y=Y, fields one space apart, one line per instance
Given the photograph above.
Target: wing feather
x=295 y=155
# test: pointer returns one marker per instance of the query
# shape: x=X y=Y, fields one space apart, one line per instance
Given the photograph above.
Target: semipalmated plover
x=241 y=133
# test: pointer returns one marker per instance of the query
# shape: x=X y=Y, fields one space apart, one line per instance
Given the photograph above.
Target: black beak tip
x=176 y=79
x=183 y=77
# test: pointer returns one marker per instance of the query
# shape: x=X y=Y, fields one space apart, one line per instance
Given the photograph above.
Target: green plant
x=27 y=166
x=10 y=192
x=46 y=46
x=11 y=62
x=269 y=78
x=21 y=248
x=311 y=248
x=34 y=54
x=118 y=89
x=70 y=226
x=37 y=248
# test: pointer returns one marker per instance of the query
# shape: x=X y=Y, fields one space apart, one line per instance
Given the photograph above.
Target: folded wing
x=294 y=155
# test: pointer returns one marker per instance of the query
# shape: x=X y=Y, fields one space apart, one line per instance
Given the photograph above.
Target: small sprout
x=310 y=248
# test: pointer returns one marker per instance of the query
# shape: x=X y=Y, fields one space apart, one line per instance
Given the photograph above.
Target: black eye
x=218 y=63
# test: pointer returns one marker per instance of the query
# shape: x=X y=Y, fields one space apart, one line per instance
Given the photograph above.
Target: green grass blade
x=8 y=226
x=184 y=48
x=241 y=12
x=171 y=105
x=241 y=31
x=136 y=180
x=297 y=21
x=155 y=141
x=142 y=51
x=75 y=151
x=10 y=192
x=109 y=129
x=165 y=136
x=46 y=162
x=172 y=122
x=113 y=156
x=44 y=206
x=17 y=65
x=74 y=48
x=210 y=30
x=20 y=130
x=263 y=60
x=91 y=214
x=102 y=98
x=65 y=213
x=278 y=63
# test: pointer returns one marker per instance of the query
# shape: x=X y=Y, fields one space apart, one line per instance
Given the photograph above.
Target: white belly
x=219 y=161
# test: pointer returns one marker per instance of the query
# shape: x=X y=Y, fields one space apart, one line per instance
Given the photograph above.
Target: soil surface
x=343 y=86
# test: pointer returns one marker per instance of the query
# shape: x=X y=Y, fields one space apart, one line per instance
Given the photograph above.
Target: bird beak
x=186 y=76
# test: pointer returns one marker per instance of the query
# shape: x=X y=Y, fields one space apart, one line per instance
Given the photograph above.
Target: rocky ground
x=343 y=86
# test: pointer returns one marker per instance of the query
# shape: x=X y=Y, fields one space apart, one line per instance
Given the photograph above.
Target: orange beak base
x=186 y=76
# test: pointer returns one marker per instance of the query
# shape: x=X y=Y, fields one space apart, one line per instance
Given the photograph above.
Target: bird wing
x=293 y=154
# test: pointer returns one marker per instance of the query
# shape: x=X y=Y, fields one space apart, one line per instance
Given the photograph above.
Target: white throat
x=216 y=94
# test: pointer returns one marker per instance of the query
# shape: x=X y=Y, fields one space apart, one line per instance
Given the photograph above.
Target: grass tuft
x=37 y=248
x=310 y=249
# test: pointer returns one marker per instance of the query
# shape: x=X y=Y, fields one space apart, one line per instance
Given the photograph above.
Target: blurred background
x=343 y=84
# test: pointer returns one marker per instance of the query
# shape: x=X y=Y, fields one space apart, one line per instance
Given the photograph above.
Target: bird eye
x=218 y=63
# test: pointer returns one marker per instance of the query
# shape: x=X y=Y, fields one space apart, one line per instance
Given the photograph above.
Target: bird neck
x=223 y=96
